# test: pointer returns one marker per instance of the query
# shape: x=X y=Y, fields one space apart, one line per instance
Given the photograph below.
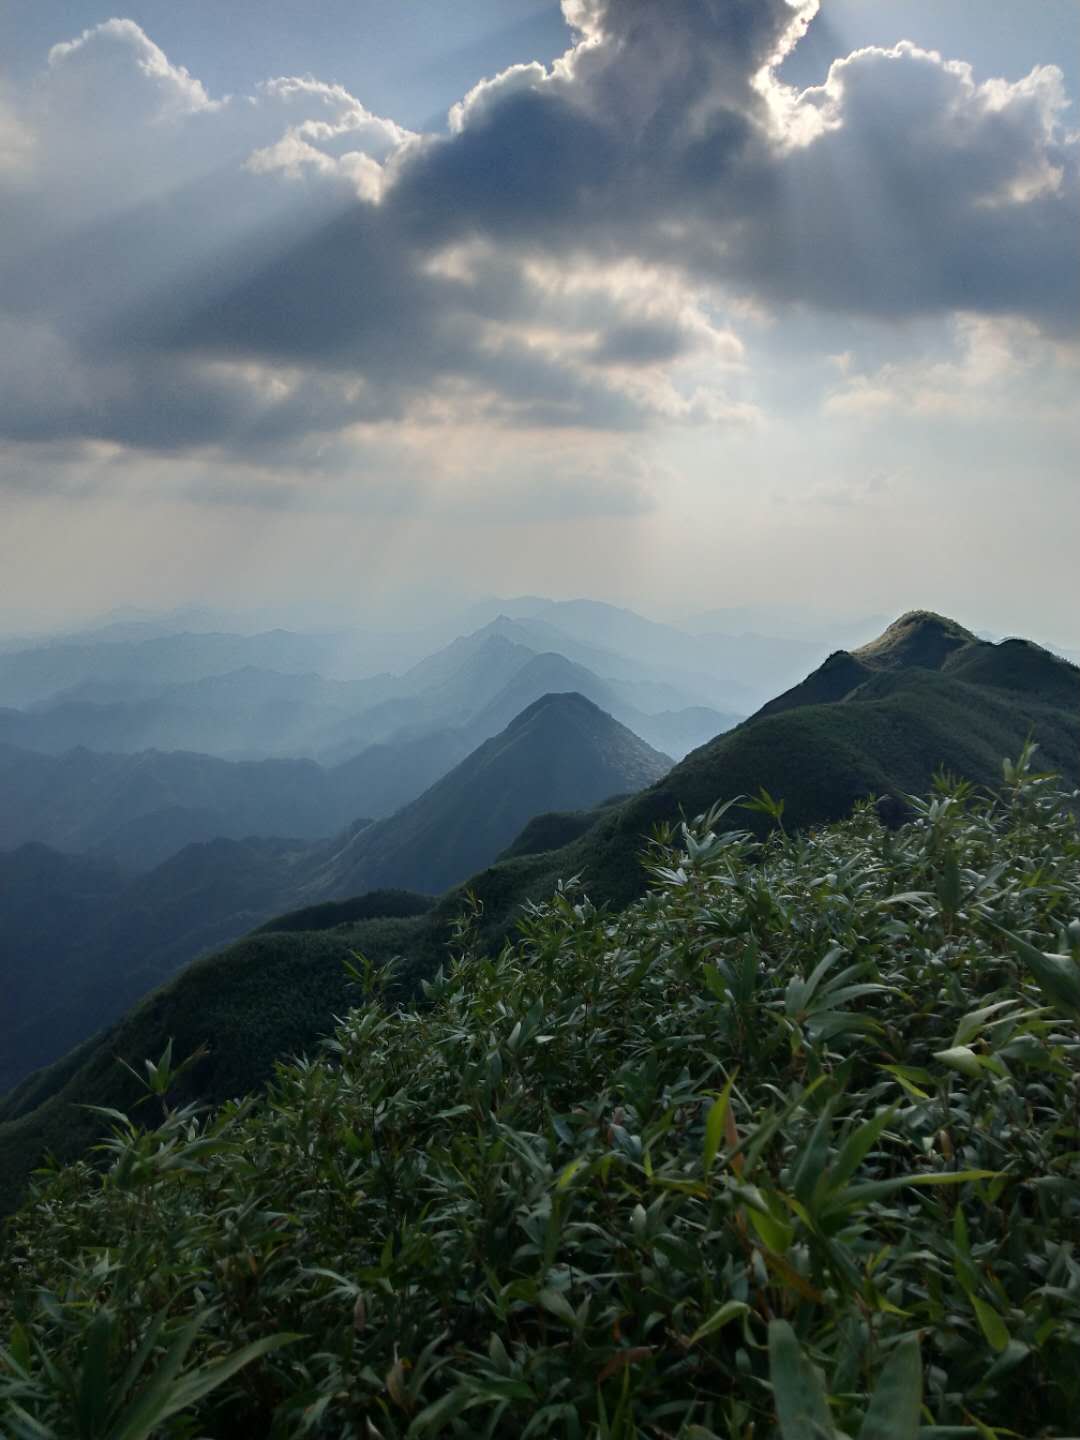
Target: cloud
x=981 y=374
x=910 y=189
x=16 y=142
x=254 y=277
x=113 y=58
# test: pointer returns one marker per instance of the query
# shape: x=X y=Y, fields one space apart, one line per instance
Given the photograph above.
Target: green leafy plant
x=786 y=1149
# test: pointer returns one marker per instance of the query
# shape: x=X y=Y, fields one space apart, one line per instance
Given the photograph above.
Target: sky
x=331 y=303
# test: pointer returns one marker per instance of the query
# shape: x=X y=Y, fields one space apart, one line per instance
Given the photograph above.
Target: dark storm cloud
x=180 y=272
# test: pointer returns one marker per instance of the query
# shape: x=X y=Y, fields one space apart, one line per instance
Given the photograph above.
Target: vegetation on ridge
x=787 y=1148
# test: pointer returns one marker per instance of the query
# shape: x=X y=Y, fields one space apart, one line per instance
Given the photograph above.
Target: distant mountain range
x=876 y=721
x=171 y=693
x=82 y=939
x=122 y=764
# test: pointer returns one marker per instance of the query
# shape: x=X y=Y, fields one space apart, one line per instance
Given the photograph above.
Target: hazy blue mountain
x=284 y=694
x=254 y=713
x=30 y=676
x=673 y=732
x=677 y=732
x=141 y=808
x=784 y=622
x=562 y=753
x=390 y=773
x=728 y=671
x=683 y=685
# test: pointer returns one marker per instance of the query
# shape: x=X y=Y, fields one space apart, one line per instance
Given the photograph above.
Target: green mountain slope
x=887 y=735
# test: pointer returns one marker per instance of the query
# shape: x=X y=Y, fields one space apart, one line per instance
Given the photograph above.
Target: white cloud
x=16 y=142
x=110 y=57
x=990 y=358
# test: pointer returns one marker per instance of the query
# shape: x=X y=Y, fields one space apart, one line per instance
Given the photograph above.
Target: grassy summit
x=785 y=1149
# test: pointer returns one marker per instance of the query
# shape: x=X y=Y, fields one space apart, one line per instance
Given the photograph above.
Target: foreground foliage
x=789 y=1148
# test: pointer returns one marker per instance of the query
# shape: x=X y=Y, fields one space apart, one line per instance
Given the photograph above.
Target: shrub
x=788 y=1148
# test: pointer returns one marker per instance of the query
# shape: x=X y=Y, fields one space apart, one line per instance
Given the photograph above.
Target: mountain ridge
x=884 y=735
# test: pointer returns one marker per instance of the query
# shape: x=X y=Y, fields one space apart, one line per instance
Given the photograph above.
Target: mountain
x=786 y=622
x=142 y=808
x=252 y=713
x=242 y=714
x=562 y=752
x=930 y=696
x=84 y=940
x=696 y=683
x=921 y=640
x=390 y=773
x=444 y=691
x=727 y=671
x=30 y=676
x=673 y=732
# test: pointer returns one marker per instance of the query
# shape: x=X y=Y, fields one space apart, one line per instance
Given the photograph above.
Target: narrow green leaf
x=568 y=1173
x=856 y=1148
x=898 y=1072
x=719 y=1318
x=144 y=1413
x=777 y=1234
x=897 y=1400
x=962 y=1058
x=1058 y=975
x=557 y=1305
x=445 y=1408
x=857 y=1195
x=811 y=1162
x=814 y=978
x=194 y=1386
x=94 y=1386
x=990 y=1323
x=802 y=1407
x=24 y=1426
x=947 y=884
x=714 y=1125
x=972 y=1023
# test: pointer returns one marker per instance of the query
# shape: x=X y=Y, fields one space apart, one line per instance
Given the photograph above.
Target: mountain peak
x=565 y=702
x=920 y=638
x=562 y=752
